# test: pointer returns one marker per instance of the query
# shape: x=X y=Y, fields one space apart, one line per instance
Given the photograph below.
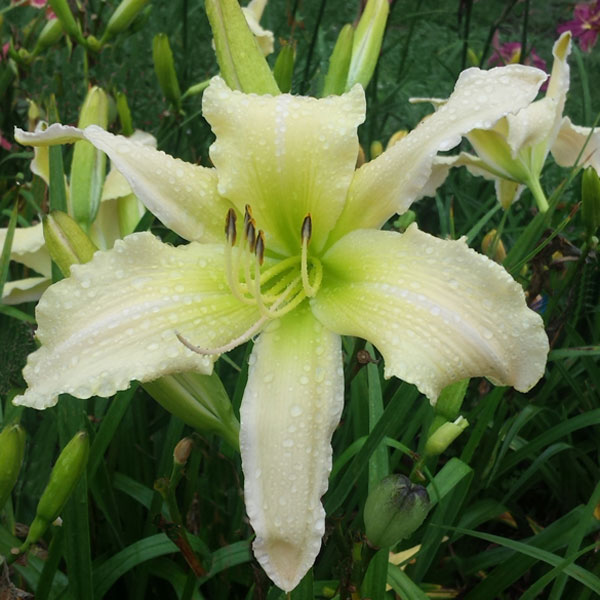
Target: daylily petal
x=28 y=248
x=437 y=310
x=285 y=156
x=391 y=182
x=571 y=140
x=117 y=318
x=183 y=196
x=253 y=12
x=24 y=290
x=292 y=404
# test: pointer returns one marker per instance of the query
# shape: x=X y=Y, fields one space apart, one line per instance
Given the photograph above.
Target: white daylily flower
x=253 y=13
x=573 y=141
x=317 y=269
x=513 y=152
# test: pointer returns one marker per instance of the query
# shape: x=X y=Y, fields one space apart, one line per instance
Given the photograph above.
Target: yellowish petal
x=117 y=318
x=292 y=404
x=28 y=248
x=285 y=156
x=437 y=310
x=575 y=142
x=24 y=290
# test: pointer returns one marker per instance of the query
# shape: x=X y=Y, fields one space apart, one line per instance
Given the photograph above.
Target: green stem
x=538 y=193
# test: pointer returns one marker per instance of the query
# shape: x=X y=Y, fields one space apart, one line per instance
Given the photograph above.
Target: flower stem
x=538 y=193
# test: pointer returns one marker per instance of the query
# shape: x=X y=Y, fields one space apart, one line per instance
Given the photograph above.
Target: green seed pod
x=164 y=68
x=284 y=68
x=49 y=35
x=67 y=243
x=394 y=510
x=12 y=448
x=590 y=200
x=339 y=63
x=123 y=16
x=69 y=467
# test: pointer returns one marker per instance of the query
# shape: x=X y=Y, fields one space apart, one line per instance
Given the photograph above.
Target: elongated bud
x=376 y=149
x=394 y=510
x=12 y=448
x=498 y=254
x=284 y=68
x=123 y=16
x=339 y=63
x=67 y=243
x=49 y=35
x=199 y=401
x=164 y=67
x=88 y=167
x=65 y=16
x=241 y=60
x=590 y=200
x=444 y=435
x=124 y=114
x=182 y=451
x=367 y=42
x=69 y=467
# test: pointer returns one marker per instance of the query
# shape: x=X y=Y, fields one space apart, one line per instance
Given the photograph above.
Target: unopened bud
x=182 y=451
x=339 y=63
x=367 y=42
x=444 y=435
x=124 y=114
x=394 y=510
x=376 y=149
x=164 y=68
x=12 y=448
x=67 y=243
x=49 y=35
x=284 y=68
x=69 y=467
x=123 y=16
x=492 y=246
x=65 y=16
x=590 y=200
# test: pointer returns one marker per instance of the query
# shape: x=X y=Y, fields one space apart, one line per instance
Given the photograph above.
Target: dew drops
x=296 y=410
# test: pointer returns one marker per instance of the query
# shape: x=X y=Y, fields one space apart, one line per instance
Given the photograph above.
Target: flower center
x=275 y=287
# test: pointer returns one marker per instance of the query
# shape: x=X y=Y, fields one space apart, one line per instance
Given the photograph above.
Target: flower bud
x=498 y=254
x=590 y=200
x=12 y=448
x=67 y=243
x=88 y=167
x=367 y=42
x=199 y=401
x=69 y=467
x=376 y=149
x=164 y=68
x=339 y=63
x=123 y=16
x=182 y=451
x=241 y=60
x=444 y=435
x=65 y=16
x=394 y=510
x=284 y=68
x=124 y=114
x=49 y=35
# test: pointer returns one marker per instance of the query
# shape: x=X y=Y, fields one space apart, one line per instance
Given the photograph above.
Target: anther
x=230 y=229
x=247 y=215
x=306 y=230
x=260 y=247
x=250 y=233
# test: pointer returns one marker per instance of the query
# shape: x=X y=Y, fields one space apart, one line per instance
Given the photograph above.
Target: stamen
x=230 y=230
x=247 y=215
x=260 y=247
x=306 y=233
x=250 y=233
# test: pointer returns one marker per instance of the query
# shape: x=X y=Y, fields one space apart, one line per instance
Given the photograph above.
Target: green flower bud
x=49 y=35
x=241 y=60
x=88 y=167
x=199 y=401
x=367 y=42
x=69 y=467
x=67 y=243
x=93 y=43
x=376 y=149
x=284 y=68
x=182 y=451
x=123 y=16
x=444 y=435
x=394 y=510
x=12 y=448
x=124 y=114
x=164 y=68
x=590 y=200
x=339 y=63
x=65 y=16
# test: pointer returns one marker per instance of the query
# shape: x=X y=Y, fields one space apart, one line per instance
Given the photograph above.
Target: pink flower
x=510 y=53
x=4 y=143
x=585 y=25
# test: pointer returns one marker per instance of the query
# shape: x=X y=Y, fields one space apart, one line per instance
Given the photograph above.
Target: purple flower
x=510 y=53
x=585 y=25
